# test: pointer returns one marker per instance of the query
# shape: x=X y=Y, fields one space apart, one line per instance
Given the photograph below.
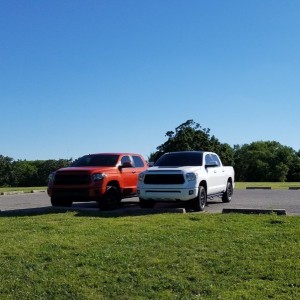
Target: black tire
x=146 y=203
x=227 y=195
x=198 y=203
x=111 y=199
x=55 y=201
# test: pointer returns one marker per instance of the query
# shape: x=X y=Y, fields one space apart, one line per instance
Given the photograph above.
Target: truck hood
x=185 y=169
x=91 y=170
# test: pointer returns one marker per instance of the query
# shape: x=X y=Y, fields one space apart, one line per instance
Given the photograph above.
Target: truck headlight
x=51 y=177
x=98 y=176
x=191 y=176
x=141 y=176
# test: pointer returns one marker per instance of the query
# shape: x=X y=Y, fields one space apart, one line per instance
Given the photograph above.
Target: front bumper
x=168 y=195
x=77 y=194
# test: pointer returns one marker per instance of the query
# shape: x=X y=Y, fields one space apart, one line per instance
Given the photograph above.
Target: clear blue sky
x=88 y=76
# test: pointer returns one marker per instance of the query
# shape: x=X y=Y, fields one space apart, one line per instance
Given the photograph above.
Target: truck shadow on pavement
x=91 y=209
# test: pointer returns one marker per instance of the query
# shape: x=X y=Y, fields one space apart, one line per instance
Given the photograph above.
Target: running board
x=210 y=197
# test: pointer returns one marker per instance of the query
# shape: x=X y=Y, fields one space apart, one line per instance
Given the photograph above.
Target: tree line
x=259 y=161
x=24 y=173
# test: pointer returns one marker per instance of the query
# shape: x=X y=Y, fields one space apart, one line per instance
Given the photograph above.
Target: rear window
x=180 y=159
x=96 y=160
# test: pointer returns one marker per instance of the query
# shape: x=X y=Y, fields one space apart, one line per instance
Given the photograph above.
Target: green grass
x=22 y=189
x=72 y=255
x=273 y=185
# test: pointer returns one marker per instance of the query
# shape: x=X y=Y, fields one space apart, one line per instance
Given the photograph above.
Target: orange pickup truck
x=103 y=177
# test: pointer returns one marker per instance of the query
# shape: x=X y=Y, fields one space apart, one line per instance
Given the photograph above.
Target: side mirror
x=150 y=164
x=211 y=164
x=126 y=164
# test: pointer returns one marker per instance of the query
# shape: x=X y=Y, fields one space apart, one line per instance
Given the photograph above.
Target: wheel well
x=114 y=183
x=204 y=184
x=230 y=180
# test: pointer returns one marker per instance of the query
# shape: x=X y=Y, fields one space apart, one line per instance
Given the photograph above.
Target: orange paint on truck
x=102 y=177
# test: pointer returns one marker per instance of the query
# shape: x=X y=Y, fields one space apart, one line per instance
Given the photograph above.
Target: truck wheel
x=146 y=203
x=60 y=202
x=199 y=202
x=227 y=195
x=111 y=198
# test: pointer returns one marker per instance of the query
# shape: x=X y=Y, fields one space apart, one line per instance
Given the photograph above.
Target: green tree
x=24 y=173
x=294 y=170
x=5 y=170
x=265 y=161
x=45 y=167
x=191 y=136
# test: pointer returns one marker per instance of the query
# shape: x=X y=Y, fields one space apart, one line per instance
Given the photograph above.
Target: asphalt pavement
x=288 y=200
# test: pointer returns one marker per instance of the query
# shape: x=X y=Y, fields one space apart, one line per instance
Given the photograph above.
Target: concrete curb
x=120 y=211
x=12 y=193
x=253 y=211
x=146 y=211
x=258 y=188
x=21 y=192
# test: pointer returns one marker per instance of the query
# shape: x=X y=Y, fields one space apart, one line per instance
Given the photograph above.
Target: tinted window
x=126 y=159
x=216 y=159
x=96 y=160
x=138 y=162
x=208 y=159
x=179 y=159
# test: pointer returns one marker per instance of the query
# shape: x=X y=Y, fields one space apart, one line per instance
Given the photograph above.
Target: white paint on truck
x=186 y=176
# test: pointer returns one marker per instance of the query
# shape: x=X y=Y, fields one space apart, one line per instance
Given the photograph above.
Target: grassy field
x=22 y=189
x=72 y=255
x=273 y=185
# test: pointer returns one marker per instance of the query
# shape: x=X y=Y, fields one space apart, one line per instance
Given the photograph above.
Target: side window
x=126 y=159
x=138 y=162
x=216 y=159
x=208 y=159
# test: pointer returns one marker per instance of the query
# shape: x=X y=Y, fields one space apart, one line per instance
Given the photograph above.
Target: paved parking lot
x=254 y=199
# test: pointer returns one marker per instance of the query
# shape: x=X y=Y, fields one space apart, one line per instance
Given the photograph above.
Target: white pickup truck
x=191 y=176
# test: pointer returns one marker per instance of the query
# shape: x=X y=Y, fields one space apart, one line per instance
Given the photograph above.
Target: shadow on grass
x=31 y=212
x=88 y=212
x=35 y=211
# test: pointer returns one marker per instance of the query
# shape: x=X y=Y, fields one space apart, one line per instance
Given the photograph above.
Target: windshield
x=180 y=159
x=96 y=160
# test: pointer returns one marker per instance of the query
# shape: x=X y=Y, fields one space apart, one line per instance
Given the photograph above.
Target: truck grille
x=164 y=179
x=72 y=179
